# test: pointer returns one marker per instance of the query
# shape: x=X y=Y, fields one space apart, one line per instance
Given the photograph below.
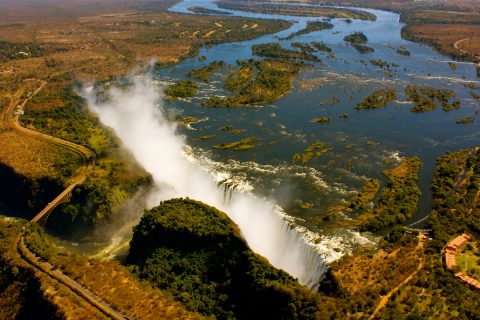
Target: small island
x=182 y=89
x=377 y=99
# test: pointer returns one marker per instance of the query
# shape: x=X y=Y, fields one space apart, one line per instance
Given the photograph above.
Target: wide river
x=379 y=137
x=363 y=145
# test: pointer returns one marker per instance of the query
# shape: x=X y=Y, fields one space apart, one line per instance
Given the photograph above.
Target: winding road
x=456 y=46
x=13 y=112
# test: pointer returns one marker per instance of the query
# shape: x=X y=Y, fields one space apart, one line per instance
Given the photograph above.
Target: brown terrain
x=437 y=23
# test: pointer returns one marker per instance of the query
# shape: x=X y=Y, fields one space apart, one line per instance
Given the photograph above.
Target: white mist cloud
x=138 y=118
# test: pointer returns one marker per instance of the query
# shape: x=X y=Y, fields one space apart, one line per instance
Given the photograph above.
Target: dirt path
x=384 y=299
x=14 y=110
x=455 y=45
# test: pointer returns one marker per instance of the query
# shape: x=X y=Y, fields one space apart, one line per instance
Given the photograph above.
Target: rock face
x=196 y=253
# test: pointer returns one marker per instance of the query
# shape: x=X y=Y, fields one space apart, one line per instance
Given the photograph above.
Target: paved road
x=88 y=156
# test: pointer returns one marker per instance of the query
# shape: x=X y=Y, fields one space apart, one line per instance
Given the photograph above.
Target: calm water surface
x=379 y=137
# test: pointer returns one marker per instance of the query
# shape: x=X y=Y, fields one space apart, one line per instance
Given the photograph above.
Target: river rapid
x=363 y=145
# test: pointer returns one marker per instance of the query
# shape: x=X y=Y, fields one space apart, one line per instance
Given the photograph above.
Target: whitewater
x=137 y=116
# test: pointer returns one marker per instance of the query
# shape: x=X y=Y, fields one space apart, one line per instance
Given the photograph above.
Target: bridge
x=10 y=122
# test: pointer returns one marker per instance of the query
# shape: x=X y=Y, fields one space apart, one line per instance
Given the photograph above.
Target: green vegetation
x=377 y=99
x=453 y=66
x=320 y=46
x=312 y=26
x=304 y=47
x=257 y=82
x=403 y=52
x=455 y=190
x=203 y=10
x=424 y=98
x=185 y=121
x=398 y=200
x=330 y=101
x=62 y=113
x=435 y=291
x=204 y=73
x=297 y=10
x=320 y=120
x=275 y=51
x=362 y=48
x=475 y=96
x=182 y=89
x=467 y=120
x=356 y=37
x=366 y=196
x=208 y=137
x=13 y=50
x=381 y=63
x=312 y=152
x=468 y=259
x=243 y=144
x=240 y=77
x=196 y=253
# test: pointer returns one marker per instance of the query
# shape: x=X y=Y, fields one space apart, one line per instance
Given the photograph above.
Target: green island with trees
x=240 y=145
x=203 y=10
x=312 y=26
x=322 y=47
x=204 y=73
x=356 y=37
x=255 y=82
x=276 y=51
x=377 y=99
x=182 y=89
x=403 y=51
x=304 y=47
x=424 y=98
x=362 y=48
x=466 y=120
x=312 y=152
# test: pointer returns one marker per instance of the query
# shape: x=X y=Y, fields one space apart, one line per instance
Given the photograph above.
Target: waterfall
x=139 y=121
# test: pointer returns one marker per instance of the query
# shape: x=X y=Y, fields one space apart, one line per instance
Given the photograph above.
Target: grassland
x=468 y=259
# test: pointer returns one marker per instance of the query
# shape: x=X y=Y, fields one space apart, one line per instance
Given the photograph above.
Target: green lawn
x=468 y=259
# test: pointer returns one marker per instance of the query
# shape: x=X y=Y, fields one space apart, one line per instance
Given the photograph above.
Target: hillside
x=196 y=253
